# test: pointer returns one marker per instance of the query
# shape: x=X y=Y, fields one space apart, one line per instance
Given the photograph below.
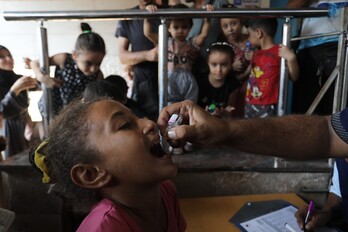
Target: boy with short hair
x=263 y=84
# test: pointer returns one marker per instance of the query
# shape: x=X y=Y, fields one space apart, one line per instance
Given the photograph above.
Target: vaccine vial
x=174 y=120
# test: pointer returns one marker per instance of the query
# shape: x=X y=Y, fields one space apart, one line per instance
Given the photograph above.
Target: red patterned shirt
x=263 y=83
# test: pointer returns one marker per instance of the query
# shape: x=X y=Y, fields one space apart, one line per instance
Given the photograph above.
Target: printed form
x=273 y=222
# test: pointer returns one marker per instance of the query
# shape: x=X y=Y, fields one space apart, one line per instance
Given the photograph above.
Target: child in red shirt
x=263 y=83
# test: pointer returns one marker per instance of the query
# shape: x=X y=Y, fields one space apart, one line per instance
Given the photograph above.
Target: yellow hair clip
x=39 y=160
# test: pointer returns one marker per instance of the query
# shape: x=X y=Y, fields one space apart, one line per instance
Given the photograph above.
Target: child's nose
x=148 y=126
x=94 y=68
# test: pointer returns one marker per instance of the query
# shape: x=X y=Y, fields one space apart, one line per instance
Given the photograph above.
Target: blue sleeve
x=339 y=122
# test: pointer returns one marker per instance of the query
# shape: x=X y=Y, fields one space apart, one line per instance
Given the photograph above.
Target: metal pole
x=344 y=28
x=284 y=72
x=340 y=60
x=163 y=64
x=323 y=90
x=316 y=36
x=283 y=82
x=45 y=68
x=162 y=13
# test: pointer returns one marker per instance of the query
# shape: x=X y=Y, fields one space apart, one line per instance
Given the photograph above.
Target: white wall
x=21 y=37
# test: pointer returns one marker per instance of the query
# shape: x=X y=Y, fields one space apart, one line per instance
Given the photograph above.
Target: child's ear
x=74 y=55
x=89 y=176
x=259 y=33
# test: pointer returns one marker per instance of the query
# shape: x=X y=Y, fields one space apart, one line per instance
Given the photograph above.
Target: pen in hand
x=309 y=214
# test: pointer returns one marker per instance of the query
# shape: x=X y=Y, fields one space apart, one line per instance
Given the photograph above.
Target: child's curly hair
x=66 y=145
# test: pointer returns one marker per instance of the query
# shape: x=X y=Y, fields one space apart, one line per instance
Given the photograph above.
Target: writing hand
x=319 y=218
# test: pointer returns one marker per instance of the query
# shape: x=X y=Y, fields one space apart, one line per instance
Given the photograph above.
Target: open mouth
x=157 y=150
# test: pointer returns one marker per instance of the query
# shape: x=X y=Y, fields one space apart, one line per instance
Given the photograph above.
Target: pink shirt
x=107 y=216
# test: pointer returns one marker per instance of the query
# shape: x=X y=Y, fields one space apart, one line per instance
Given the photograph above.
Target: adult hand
x=201 y=128
x=152 y=55
x=151 y=8
x=319 y=218
x=23 y=83
x=208 y=7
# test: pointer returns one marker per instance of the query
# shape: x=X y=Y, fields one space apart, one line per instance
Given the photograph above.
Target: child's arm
x=244 y=75
x=57 y=59
x=199 y=39
x=148 y=32
x=291 y=60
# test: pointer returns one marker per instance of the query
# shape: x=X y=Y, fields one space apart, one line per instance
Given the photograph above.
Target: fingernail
x=171 y=134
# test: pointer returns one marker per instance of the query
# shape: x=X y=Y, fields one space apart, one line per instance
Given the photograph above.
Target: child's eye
x=124 y=126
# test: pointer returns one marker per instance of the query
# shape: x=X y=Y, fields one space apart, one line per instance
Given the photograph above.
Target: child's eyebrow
x=117 y=114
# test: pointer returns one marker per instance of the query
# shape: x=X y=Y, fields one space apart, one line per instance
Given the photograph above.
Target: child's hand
x=237 y=65
x=248 y=55
x=26 y=61
x=192 y=53
x=286 y=53
x=151 y=8
x=23 y=83
x=46 y=79
x=208 y=7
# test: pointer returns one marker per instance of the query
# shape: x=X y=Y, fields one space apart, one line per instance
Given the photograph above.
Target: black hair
x=221 y=47
x=119 y=81
x=179 y=6
x=89 y=40
x=268 y=25
x=104 y=88
x=5 y=48
x=68 y=145
x=231 y=6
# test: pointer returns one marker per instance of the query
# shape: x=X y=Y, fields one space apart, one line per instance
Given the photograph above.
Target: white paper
x=273 y=222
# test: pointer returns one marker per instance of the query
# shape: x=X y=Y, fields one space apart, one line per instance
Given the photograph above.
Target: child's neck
x=179 y=42
x=216 y=83
x=266 y=43
x=144 y=206
x=239 y=41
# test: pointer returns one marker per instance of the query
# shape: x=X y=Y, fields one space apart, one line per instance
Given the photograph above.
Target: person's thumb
x=312 y=224
x=182 y=132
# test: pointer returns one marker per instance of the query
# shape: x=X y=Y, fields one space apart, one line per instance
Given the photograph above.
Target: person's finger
x=182 y=132
x=176 y=108
x=310 y=225
x=300 y=214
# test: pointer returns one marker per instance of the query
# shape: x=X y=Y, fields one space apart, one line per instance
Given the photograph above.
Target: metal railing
x=161 y=13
